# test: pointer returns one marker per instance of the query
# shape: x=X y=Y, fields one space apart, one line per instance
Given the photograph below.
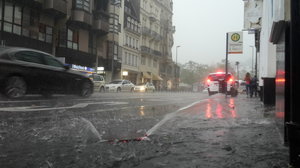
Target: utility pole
x=176 y=70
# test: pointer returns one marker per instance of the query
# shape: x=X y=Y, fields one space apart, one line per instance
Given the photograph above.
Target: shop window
x=72 y=39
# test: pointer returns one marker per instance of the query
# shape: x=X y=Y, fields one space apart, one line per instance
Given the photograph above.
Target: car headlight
x=142 y=88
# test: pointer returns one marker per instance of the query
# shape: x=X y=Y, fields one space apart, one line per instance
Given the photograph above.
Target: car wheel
x=118 y=89
x=86 y=89
x=102 y=89
x=15 y=87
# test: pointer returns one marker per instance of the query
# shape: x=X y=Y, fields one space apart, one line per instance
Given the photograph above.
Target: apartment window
x=92 y=44
x=73 y=39
x=129 y=59
x=143 y=60
x=125 y=60
x=155 y=63
x=83 y=4
x=149 y=62
x=45 y=33
x=12 y=18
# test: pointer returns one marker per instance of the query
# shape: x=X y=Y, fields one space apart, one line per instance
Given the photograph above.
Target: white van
x=99 y=82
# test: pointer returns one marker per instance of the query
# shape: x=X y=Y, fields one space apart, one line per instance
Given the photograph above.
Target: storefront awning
x=156 y=77
x=146 y=75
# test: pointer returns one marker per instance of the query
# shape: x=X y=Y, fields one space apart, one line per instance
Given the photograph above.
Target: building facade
x=103 y=36
x=130 y=40
x=73 y=30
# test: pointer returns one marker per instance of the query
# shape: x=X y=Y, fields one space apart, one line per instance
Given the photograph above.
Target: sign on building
x=253 y=14
x=235 y=42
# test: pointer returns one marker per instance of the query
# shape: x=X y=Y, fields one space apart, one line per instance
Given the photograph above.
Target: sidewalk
x=218 y=133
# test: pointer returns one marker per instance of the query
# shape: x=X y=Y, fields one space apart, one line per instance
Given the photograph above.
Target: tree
x=192 y=72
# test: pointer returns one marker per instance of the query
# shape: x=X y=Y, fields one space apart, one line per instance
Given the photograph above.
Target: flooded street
x=139 y=130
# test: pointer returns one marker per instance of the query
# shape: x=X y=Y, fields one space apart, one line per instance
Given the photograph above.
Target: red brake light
x=208 y=80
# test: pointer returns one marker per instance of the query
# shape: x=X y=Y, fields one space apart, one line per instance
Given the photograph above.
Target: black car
x=26 y=71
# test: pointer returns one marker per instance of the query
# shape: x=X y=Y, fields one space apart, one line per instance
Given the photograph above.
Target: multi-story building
x=169 y=71
x=151 y=41
x=130 y=41
x=74 y=30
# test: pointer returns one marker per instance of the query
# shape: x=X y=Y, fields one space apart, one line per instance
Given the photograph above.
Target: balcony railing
x=156 y=53
x=145 y=50
x=81 y=18
x=11 y=39
x=76 y=57
x=55 y=7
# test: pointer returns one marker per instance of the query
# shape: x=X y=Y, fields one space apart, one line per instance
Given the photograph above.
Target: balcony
x=156 y=53
x=81 y=18
x=146 y=31
x=76 y=57
x=11 y=39
x=31 y=3
x=145 y=50
x=100 y=22
x=152 y=17
x=55 y=7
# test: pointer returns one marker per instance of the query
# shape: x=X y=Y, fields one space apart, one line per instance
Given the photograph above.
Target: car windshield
x=141 y=83
x=116 y=82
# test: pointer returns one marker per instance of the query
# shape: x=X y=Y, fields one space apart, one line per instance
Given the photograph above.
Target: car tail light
x=208 y=80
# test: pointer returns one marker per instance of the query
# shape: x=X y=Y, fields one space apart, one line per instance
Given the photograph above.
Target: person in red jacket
x=247 y=79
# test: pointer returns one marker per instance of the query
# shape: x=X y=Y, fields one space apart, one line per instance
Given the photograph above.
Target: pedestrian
x=247 y=80
x=253 y=86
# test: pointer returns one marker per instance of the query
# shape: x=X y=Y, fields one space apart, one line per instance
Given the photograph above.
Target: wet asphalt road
x=179 y=130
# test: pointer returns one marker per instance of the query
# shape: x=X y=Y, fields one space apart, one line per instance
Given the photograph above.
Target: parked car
x=119 y=86
x=26 y=71
x=99 y=82
x=219 y=83
x=144 y=87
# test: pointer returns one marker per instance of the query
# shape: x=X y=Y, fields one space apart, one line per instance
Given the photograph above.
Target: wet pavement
x=141 y=130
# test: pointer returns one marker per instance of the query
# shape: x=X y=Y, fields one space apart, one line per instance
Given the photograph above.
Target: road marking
x=169 y=116
x=45 y=108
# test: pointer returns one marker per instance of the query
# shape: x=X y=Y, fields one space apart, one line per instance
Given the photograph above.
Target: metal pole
x=226 y=65
x=176 y=76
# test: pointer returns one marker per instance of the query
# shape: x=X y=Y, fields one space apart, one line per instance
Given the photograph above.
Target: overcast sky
x=201 y=27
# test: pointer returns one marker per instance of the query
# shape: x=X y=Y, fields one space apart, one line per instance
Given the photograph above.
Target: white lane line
x=45 y=108
x=169 y=116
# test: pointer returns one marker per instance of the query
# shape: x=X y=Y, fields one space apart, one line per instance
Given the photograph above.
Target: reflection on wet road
x=213 y=108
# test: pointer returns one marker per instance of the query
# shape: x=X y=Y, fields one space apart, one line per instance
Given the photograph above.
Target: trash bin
x=293 y=133
x=269 y=91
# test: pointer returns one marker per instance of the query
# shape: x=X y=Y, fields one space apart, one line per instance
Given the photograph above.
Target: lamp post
x=237 y=70
x=176 y=70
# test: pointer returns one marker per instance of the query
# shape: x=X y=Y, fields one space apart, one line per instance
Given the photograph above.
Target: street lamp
x=176 y=70
x=237 y=70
